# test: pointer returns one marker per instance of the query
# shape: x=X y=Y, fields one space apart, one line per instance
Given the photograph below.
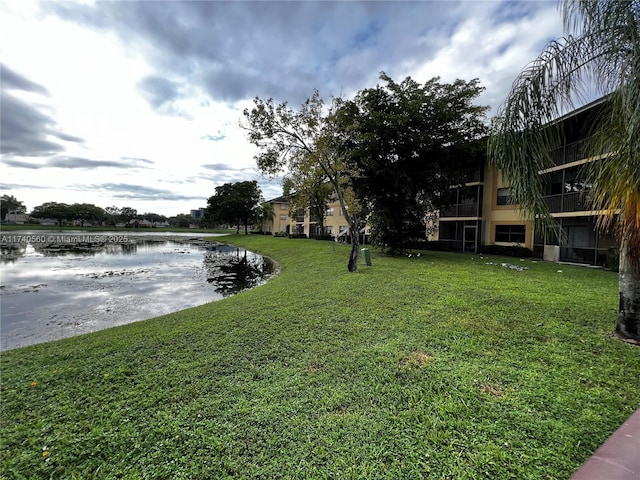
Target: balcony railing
x=461 y=210
x=569 y=153
x=567 y=202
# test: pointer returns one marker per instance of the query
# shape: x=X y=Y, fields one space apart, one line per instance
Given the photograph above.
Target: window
x=283 y=206
x=504 y=196
x=329 y=212
x=448 y=231
x=283 y=218
x=510 y=233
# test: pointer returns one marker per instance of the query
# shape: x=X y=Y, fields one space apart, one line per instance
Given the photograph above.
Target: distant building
x=199 y=213
x=140 y=224
x=13 y=217
x=48 y=222
x=335 y=224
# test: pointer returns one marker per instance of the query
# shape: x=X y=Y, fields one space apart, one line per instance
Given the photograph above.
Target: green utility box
x=367 y=256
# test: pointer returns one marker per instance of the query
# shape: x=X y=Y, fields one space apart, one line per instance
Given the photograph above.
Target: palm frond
x=521 y=139
x=601 y=52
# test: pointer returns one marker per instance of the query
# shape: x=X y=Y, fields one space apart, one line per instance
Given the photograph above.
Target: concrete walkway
x=618 y=458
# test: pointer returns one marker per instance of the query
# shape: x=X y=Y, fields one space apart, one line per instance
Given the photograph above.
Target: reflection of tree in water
x=86 y=249
x=10 y=252
x=234 y=270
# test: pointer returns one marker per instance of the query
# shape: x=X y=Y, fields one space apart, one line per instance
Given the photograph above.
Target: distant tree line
x=85 y=214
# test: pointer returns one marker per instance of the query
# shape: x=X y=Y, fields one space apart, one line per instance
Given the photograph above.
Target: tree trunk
x=353 y=256
x=628 y=325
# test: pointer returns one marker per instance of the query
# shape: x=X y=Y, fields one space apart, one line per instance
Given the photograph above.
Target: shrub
x=507 y=250
x=613 y=259
x=324 y=237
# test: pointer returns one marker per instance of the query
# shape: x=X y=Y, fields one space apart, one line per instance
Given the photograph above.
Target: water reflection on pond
x=50 y=292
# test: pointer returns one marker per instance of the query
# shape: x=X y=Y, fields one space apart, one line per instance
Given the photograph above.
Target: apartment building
x=481 y=211
x=304 y=224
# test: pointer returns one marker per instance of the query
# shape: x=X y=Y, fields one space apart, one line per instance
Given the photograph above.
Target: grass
x=438 y=366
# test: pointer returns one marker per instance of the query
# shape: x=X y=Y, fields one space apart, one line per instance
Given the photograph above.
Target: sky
x=139 y=103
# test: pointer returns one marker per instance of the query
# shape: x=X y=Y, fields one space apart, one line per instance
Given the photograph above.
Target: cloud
x=158 y=91
x=237 y=50
x=77 y=162
x=168 y=80
x=137 y=161
x=503 y=51
x=221 y=167
x=6 y=187
x=27 y=129
x=163 y=95
x=14 y=81
x=140 y=192
x=219 y=136
x=21 y=164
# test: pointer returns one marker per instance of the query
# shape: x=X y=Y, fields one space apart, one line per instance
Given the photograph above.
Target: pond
x=58 y=285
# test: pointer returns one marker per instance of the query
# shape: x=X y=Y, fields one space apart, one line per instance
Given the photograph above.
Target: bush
x=422 y=244
x=323 y=237
x=280 y=234
x=507 y=250
x=613 y=259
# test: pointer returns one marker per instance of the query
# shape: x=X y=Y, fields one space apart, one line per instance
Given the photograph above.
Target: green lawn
x=439 y=366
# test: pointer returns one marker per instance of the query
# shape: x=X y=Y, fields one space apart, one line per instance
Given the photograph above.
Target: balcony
x=569 y=153
x=568 y=202
x=461 y=210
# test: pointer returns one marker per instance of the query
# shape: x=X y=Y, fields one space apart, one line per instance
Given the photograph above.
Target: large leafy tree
x=409 y=143
x=9 y=203
x=601 y=51
x=55 y=210
x=127 y=214
x=112 y=214
x=235 y=203
x=86 y=212
x=182 y=220
x=306 y=141
x=154 y=217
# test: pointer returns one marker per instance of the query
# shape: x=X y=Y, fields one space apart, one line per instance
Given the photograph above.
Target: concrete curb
x=618 y=458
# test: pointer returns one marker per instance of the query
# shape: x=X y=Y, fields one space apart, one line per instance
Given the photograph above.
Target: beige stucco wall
x=334 y=221
x=494 y=214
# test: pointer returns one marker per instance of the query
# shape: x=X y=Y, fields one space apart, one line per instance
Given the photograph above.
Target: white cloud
x=494 y=51
x=159 y=87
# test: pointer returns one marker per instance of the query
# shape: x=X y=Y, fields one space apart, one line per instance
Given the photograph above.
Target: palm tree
x=599 y=54
x=266 y=214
